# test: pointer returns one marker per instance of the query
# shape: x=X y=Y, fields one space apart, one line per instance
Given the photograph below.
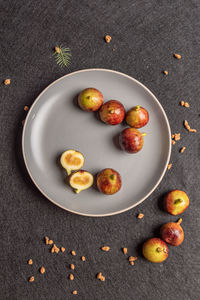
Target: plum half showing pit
x=81 y=180
x=72 y=160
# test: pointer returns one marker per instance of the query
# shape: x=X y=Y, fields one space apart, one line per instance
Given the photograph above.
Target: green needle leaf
x=62 y=56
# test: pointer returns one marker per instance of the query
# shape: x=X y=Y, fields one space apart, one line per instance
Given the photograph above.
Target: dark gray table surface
x=145 y=34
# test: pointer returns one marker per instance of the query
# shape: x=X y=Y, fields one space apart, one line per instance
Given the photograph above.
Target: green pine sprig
x=62 y=56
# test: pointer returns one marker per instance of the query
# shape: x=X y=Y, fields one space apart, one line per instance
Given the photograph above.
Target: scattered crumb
x=140 y=216
x=169 y=166
x=72 y=266
x=62 y=249
x=57 y=49
x=177 y=136
x=108 y=38
x=54 y=249
x=26 y=108
x=113 y=49
x=177 y=56
x=73 y=253
x=187 y=126
x=74 y=292
x=101 y=277
x=83 y=258
x=30 y=262
x=131 y=263
x=187 y=104
x=182 y=149
x=71 y=276
x=165 y=72
x=23 y=122
x=31 y=279
x=105 y=248
x=193 y=130
x=7 y=81
x=132 y=258
x=48 y=241
x=125 y=250
x=42 y=270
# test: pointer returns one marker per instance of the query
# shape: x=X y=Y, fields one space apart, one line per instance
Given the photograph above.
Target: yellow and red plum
x=131 y=140
x=81 y=180
x=90 y=99
x=137 y=117
x=176 y=202
x=109 y=181
x=112 y=112
x=172 y=233
x=155 y=250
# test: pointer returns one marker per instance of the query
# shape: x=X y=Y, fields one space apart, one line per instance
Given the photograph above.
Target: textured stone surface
x=145 y=34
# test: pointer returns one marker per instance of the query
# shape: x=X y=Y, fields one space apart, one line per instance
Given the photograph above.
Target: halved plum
x=72 y=160
x=81 y=180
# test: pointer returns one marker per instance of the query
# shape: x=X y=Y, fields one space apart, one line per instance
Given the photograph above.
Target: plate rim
x=106 y=214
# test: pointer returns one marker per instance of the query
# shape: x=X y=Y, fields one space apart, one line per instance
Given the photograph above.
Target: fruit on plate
x=109 y=181
x=131 y=140
x=137 y=117
x=176 y=202
x=90 y=99
x=81 y=180
x=72 y=160
x=172 y=233
x=155 y=250
x=112 y=112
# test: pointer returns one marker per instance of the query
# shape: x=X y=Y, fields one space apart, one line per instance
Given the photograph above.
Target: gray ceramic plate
x=55 y=123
